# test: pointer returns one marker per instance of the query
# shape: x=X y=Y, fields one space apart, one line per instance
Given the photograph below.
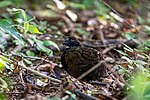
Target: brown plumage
x=77 y=59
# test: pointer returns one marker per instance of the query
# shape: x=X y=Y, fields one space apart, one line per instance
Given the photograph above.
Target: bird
x=77 y=59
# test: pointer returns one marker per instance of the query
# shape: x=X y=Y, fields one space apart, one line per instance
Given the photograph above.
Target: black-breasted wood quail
x=77 y=59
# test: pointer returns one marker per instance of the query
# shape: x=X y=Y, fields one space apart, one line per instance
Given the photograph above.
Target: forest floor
x=33 y=71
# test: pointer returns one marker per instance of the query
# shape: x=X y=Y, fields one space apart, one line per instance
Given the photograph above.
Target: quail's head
x=71 y=42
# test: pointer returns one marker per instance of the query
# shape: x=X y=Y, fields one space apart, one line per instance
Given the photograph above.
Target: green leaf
x=71 y=94
x=88 y=3
x=49 y=43
x=23 y=13
x=147 y=29
x=77 y=5
x=3 y=62
x=17 y=43
x=26 y=27
x=31 y=41
x=33 y=29
x=27 y=61
x=3 y=43
x=5 y=3
x=7 y=27
x=140 y=62
x=55 y=28
x=4 y=58
x=129 y=35
x=101 y=8
x=140 y=87
x=141 y=67
x=42 y=48
x=128 y=48
x=121 y=52
x=127 y=59
x=122 y=71
x=147 y=43
x=30 y=53
x=3 y=96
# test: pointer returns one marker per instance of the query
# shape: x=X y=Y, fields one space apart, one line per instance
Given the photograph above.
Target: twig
x=31 y=57
x=109 y=42
x=69 y=24
x=21 y=77
x=98 y=83
x=96 y=66
x=102 y=36
x=85 y=96
x=31 y=70
x=108 y=49
x=91 y=69
x=41 y=62
x=107 y=96
x=21 y=64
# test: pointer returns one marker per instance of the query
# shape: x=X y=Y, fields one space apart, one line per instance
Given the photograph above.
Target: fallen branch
x=32 y=57
x=95 y=67
x=85 y=96
x=91 y=69
x=21 y=64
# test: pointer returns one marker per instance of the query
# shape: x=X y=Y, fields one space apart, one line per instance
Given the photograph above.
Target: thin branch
x=21 y=64
x=108 y=49
x=32 y=57
x=96 y=66
x=91 y=69
x=85 y=96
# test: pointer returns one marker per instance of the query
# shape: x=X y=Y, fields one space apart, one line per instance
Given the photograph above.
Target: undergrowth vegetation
x=31 y=35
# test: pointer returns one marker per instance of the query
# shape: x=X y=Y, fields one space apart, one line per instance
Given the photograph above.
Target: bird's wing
x=82 y=56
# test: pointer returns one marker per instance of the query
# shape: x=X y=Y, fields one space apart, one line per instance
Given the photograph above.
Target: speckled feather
x=78 y=59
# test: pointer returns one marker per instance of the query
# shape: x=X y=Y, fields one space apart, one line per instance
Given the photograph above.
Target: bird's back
x=78 y=60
